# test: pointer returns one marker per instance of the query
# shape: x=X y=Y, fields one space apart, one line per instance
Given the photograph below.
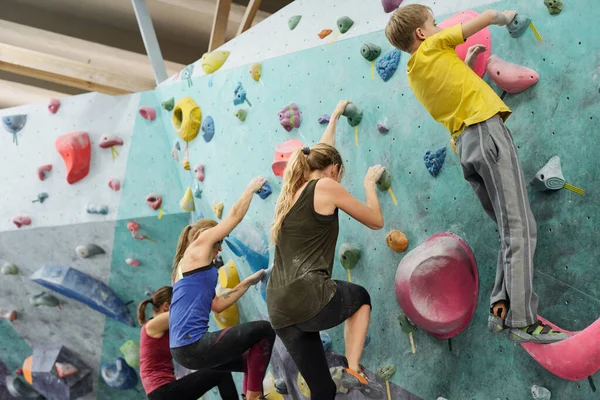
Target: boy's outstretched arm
x=487 y=18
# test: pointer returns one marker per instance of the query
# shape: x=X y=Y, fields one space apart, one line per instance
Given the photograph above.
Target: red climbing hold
x=10 y=315
x=154 y=201
x=41 y=171
x=107 y=141
x=511 y=78
x=437 y=285
x=54 y=106
x=133 y=227
x=75 y=150
x=114 y=184
x=133 y=262
x=147 y=113
x=283 y=152
x=21 y=220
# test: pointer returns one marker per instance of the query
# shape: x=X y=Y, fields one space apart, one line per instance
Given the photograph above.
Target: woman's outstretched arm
x=329 y=134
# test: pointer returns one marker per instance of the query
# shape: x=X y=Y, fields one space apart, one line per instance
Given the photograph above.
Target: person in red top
x=156 y=364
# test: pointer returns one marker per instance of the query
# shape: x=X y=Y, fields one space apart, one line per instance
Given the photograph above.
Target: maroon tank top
x=156 y=362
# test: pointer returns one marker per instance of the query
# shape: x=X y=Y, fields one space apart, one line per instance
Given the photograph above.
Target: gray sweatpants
x=489 y=161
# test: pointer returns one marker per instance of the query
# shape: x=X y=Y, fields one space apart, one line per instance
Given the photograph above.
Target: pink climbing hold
x=390 y=5
x=54 y=106
x=283 y=152
x=133 y=262
x=133 y=227
x=41 y=171
x=574 y=358
x=21 y=220
x=509 y=77
x=199 y=170
x=482 y=37
x=437 y=285
x=64 y=370
x=114 y=184
x=108 y=141
x=148 y=113
x=154 y=201
x=76 y=151
x=10 y=315
x=289 y=117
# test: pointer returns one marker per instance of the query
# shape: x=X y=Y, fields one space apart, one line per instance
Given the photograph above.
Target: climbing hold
x=133 y=262
x=385 y=372
x=390 y=5
x=213 y=61
x=53 y=106
x=324 y=33
x=518 y=25
x=88 y=250
x=303 y=386
x=325 y=340
x=434 y=160
x=97 y=209
x=540 y=393
x=264 y=282
x=344 y=24
x=131 y=352
x=154 y=201
x=444 y=270
x=554 y=6
x=41 y=171
x=10 y=315
x=9 y=269
x=114 y=184
x=387 y=65
x=79 y=286
x=168 y=104
x=133 y=227
x=289 y=117
x=384 y=182
x=219 y=261
x=187 y=74
x=21 y=220
x=208 y=128
x=19 y=389
x=367 y=340
x=217 y=209
x=353 y=114
x=249 y=243
x=406 y=325
x=41 y=197
x=256 y=71
x=349 y=256
x=13 y=124
x=64 y=370
x=175 y=151
x=186 y=119
x=199 y=171
x=185 y=163
x=240 y=114
x=370 y=51
x=148 y=113
x=270 y=389
x=396 y=241
x=187 y=201
x=228 y=279
x=108 y=141
x=283 y=152
x=76 y=151
x=551 y=177
x=511 y=78
x=197 y=191
x=382 y=128
x=44 y=299
x=281 y=386
x=118 y=375
x=265 y=191
x=239 y=95
x=324 y=119
x=293 y=22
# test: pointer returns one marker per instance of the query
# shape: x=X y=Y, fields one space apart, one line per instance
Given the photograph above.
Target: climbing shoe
x=359 y=381
x=536 y=333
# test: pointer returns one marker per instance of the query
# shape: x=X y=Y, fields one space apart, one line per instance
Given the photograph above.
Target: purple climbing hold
x=324 y=119
x=388 y=64
x=13 y=124
x=289 y=117
x=382 y=128
x=434 y=160
x=390 y=5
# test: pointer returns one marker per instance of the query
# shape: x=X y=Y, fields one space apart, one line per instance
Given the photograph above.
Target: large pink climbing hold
x=509 y=77
x=574 y=358
x=148 y=113
x=283 y=152
x=41 y=171
x=108 y=141
x=114 y=184
x=76 y=151
x=390 y=5
x=437 y=285
x=482 y=37
x=21 y=220
x=53 y=106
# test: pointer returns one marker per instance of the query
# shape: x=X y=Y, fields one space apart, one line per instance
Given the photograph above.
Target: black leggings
x=303 y=340
x=243 y=348
x=194 y=385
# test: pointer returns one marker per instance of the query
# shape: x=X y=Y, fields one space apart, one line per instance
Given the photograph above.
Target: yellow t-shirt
x=449 y=90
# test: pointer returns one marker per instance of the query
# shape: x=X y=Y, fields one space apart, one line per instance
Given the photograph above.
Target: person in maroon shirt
x=156 y=364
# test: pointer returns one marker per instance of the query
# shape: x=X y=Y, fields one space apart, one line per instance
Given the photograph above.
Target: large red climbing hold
x=511 y=78
x=76 y=151
x=283 y=152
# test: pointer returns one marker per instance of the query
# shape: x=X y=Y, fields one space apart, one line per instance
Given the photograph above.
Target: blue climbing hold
x=239 y=95
x=13 y=124
x=263 y=283
x=326 y=340
x=388 y=64
x=208 y=128
x=96 y=209
x=250 y=244
x=118 y=375
x=367 y=340
x=265 y=191
x=434 y=160
x=324 y=119
x=197 y=191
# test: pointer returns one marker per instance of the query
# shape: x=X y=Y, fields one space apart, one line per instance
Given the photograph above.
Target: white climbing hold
x=88 y=250
x=9 y=269
x=540 y=393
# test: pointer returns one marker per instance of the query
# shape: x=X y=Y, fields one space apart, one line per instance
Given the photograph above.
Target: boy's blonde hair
x=400 y=30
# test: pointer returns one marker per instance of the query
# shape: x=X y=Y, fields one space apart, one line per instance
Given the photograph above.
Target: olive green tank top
x=300 y=285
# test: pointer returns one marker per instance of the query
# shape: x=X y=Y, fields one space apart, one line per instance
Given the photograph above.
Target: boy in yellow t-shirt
x=460 y=100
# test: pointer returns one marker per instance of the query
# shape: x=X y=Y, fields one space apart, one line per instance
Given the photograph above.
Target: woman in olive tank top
x=302 y=299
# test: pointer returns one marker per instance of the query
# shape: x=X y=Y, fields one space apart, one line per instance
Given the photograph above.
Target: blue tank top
x=191 y=305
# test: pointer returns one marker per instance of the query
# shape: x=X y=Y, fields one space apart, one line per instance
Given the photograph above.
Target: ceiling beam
x=206 y=6
x=219 y=26
x=249 y=16
x=13 y=94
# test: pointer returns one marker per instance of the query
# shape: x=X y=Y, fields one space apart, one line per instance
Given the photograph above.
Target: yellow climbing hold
x=185 y=163
x=303 y=386
x=186 y=119
x=218 y=209
x=230 y=316
x=213 y=61
x=228 y=275
x=187 y=201
x=269 y=388
x=256 y=71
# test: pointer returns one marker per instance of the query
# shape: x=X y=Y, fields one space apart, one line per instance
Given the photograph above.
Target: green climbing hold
x=406 y=325
x=240 y=114
x=44 y=299
x=554 y=6
x=384 y=182
x=293 y=21
x=349 y=256
x=370 y=51
x=131 y=352
x=168 y=104
x=386 y=372
x=9 y=269
x=353 y=114
x=344 y=24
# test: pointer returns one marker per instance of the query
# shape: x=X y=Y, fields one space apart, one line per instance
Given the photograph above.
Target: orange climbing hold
x=324 y=33
x=27 y=370
x=76 y=151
